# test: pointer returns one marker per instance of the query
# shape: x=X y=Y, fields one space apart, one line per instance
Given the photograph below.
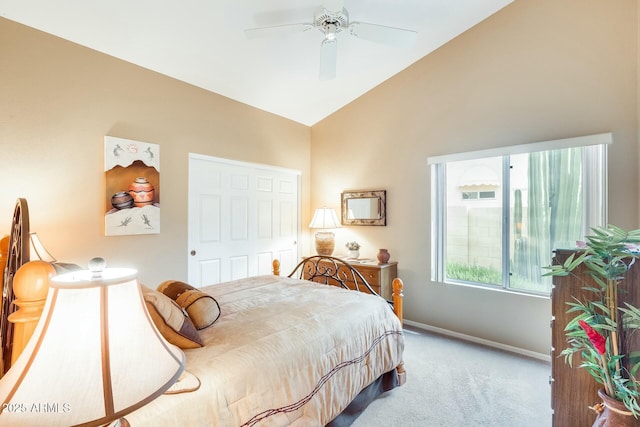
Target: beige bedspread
x=284 y=352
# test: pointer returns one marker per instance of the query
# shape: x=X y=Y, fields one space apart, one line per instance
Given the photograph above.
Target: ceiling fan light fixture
x=324 y=17
x=331 y=19
x=330 y=30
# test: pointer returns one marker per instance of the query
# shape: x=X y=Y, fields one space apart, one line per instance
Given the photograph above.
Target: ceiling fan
x=330 y=19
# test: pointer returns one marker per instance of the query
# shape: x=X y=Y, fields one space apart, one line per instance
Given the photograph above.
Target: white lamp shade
x=325 y=218
x=94 y=356
x=37 y=251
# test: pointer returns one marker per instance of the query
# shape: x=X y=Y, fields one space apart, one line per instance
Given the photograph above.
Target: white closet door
x=241 y=217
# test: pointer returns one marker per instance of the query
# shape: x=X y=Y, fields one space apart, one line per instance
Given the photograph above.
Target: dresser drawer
x=375 y=287
x=372 y=276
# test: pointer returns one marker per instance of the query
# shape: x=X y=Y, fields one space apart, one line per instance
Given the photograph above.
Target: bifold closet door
x=241 y=217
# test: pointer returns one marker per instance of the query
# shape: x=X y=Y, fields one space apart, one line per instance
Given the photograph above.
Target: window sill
x=497 y=289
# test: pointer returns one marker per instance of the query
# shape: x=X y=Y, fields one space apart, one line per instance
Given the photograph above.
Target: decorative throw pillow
x=171 y=321
x=203 y=309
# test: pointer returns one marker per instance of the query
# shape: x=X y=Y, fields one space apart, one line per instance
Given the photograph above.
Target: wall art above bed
x=132 y=181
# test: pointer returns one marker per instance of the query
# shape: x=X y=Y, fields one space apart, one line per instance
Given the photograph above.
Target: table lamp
x=324 y=219
x=37 y=249
x=94 y=356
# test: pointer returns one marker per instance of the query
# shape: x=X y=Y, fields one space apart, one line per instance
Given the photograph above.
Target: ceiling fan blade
x=277 y=30
x=328 y=59
x=385 y=35
x=333 y=5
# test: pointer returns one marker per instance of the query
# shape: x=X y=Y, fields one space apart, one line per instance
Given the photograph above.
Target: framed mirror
x=364 y=207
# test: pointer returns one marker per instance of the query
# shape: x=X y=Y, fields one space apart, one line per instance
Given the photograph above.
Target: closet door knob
x=193 y=253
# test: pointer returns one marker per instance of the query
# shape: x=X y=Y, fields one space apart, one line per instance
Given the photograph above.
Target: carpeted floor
x=453 y=383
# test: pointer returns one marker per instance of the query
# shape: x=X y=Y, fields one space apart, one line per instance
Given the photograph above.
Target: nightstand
x=379 y=276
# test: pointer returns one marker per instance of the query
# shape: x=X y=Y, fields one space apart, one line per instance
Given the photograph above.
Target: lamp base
x=325 y=242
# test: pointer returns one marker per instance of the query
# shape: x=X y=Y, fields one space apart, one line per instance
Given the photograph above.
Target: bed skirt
x=385 y=382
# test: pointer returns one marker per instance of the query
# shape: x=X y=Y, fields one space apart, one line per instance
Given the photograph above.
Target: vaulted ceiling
x=202 y=42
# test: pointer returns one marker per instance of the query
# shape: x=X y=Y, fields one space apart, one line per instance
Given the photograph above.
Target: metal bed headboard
x=17 y=256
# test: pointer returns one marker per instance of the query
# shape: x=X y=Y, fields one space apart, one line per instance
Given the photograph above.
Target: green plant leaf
x=607 y=258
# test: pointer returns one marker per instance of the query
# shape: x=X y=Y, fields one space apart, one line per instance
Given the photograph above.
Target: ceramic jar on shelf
x=122 y=200
x=142 y=192
x=383 y=256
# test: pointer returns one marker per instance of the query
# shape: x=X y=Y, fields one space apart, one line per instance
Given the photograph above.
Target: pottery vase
x=614 y=413
x=142 y=192
x=383 y=256
x=122 y=200
x=325 y=243
x=353 y=254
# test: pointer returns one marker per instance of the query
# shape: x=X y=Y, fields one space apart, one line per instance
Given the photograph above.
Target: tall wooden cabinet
x=573 y=390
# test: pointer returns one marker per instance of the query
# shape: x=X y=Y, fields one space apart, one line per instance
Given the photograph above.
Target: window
x=497 y=215
x=474 y=195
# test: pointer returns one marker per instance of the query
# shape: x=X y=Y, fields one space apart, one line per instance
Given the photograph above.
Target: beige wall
x=537 y=70
x=58 y=100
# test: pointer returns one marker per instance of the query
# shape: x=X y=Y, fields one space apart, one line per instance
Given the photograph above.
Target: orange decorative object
x=4 y=247
x=142 y=192
x=398 y=298
x=30 y=287
x=4 y=252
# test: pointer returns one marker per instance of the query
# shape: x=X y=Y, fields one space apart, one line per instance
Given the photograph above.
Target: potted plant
x=353 y=248
x=598 y=333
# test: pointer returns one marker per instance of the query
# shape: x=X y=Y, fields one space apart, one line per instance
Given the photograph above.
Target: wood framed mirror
x=364 y=207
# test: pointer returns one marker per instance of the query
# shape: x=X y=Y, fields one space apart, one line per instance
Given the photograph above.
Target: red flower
x=597 y=340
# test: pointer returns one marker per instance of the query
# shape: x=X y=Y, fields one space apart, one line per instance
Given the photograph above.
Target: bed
x=302 y=350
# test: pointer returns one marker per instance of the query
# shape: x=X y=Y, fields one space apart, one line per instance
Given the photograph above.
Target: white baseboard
x=488 y=343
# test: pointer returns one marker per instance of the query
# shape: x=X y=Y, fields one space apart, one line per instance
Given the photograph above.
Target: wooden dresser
x=573 y=390
x=379 y=276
